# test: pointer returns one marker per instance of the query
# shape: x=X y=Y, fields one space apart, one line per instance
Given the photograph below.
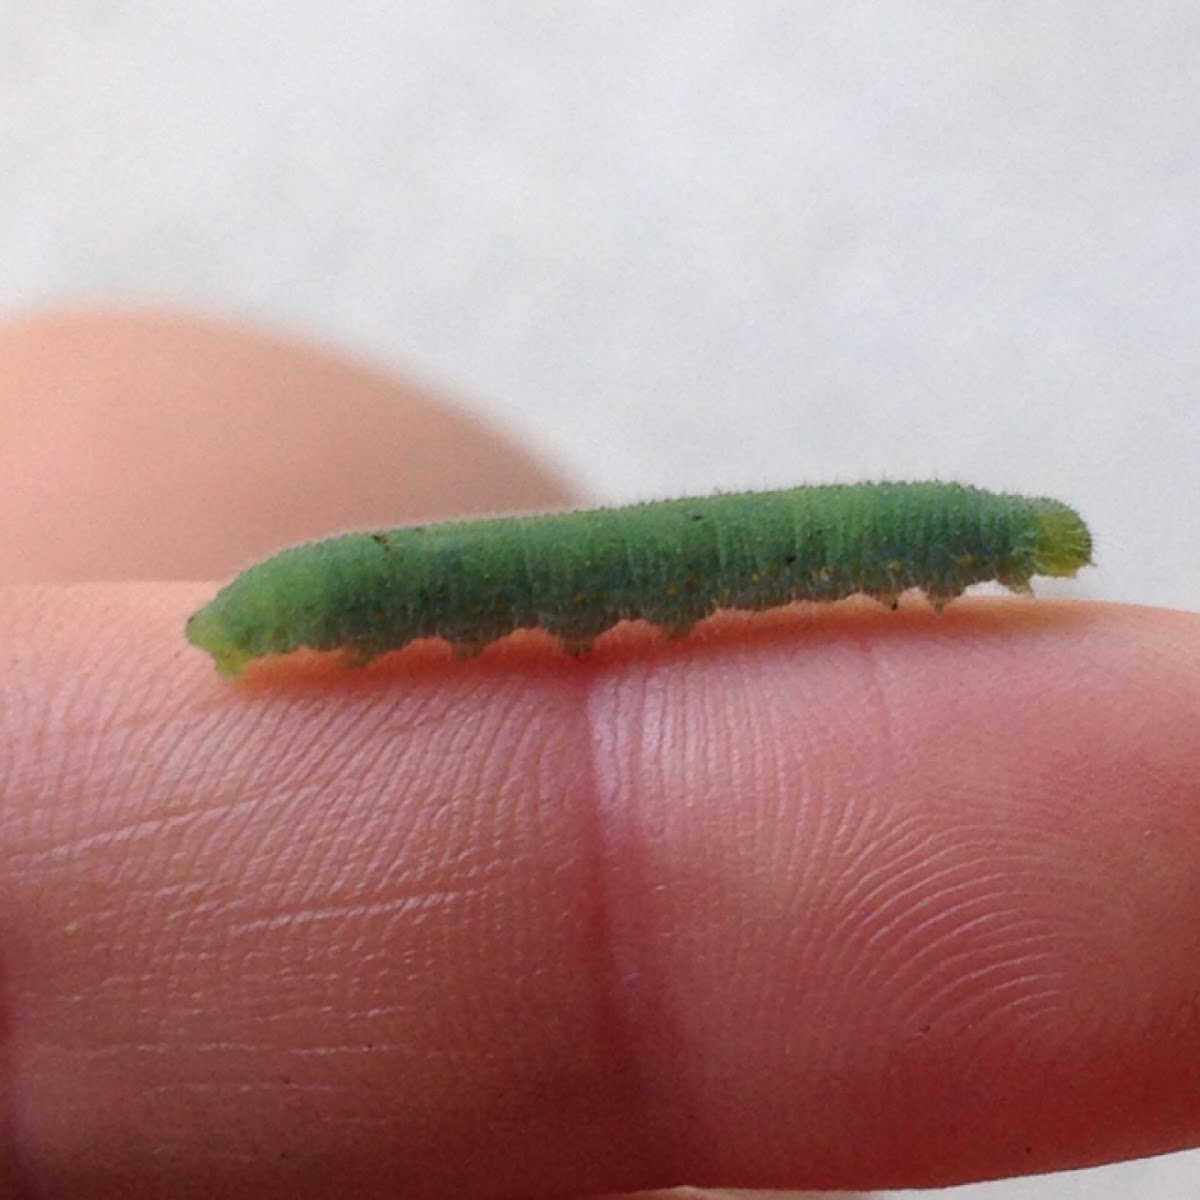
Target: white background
x=678 y=247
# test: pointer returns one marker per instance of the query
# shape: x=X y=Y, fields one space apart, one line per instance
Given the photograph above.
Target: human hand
x=855 y=899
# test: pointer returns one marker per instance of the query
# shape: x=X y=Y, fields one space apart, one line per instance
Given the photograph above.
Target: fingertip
x=147 y=445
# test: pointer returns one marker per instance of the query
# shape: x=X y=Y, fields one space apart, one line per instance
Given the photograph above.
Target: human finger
x=863 y=900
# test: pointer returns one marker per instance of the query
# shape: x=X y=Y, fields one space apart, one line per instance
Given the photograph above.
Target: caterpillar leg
x=576 y=647
x=231 y=662
x=678 y=629
x=358 y=655
x=939 y=600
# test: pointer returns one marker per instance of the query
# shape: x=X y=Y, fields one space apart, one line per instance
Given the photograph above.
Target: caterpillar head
x=1063 y=543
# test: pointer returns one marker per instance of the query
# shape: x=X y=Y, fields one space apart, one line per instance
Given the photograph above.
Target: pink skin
x=836 y=898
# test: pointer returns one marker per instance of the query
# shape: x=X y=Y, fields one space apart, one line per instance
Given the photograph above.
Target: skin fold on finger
x=141 y=445
x=852 y=899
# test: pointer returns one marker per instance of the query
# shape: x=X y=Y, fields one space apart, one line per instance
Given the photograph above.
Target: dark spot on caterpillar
x=578 y=574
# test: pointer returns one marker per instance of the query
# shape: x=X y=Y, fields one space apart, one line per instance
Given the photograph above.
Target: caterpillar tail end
x=1064 y=543
x=204 y=630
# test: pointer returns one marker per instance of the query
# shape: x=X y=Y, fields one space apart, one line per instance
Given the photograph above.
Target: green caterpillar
x=671 y=563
